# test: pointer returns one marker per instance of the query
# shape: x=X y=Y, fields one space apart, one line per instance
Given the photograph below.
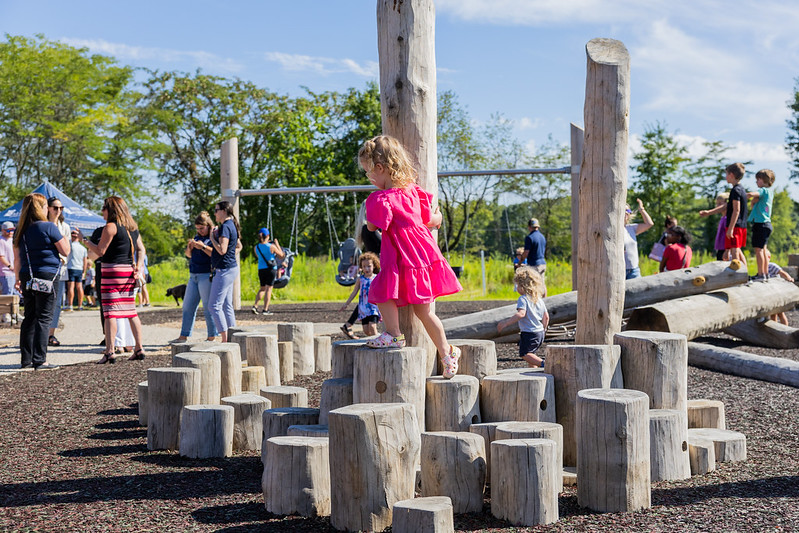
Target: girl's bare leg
x=390 y=317
x=370 y=329
x=432 y=325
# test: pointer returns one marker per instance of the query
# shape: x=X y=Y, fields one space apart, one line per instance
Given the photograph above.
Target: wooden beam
x=747 y=365
x=765 y=333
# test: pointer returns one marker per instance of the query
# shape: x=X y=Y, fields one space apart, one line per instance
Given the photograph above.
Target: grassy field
x=313 y=279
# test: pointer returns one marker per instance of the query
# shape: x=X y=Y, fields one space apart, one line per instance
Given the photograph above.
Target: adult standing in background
x=37 y=244
x=119 y=243
x=55 y=214
x=199 y=250
x=535 y=247
x=225 y=240
x=7 y=276
x=267 y=252
x=631 y=232
x=77 y=264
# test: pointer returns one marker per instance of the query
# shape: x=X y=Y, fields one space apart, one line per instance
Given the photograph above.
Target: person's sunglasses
x=57 y=207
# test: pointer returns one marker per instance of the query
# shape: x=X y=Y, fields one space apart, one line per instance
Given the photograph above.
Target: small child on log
x=367 y=313
x=735 y=236
x=531 y=313
x=773 y=271
x=760 y=217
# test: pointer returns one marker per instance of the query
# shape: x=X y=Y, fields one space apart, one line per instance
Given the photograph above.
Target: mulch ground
x=73 y=457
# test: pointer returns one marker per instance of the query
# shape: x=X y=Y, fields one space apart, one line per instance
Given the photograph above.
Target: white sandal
x=385 y=340
x=450 y=362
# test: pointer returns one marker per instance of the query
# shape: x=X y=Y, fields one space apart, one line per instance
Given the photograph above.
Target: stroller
x=348 y=254
x=284 y=266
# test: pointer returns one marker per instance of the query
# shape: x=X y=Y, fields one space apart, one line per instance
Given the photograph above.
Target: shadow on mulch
x=119 y=435
x=104 y=450
x=773 y=487
x=119 y=412
x=122 y=424
x=165 y=486
x=172 y=460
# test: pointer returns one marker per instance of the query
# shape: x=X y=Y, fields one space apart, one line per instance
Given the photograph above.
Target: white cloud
x=526 y=123
x=537 y=12
x=125 y=52
x=323 y=65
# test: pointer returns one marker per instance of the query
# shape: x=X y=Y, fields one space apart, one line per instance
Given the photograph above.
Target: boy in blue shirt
x=760 y=217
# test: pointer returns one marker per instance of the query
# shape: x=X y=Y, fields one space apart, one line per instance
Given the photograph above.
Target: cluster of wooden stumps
x=611 y=419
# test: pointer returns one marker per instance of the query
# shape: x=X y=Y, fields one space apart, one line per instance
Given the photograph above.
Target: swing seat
x=284 y=267
x=457 y=271
x=348 y=254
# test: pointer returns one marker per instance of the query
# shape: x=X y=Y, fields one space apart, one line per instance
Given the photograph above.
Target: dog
x=179 y=291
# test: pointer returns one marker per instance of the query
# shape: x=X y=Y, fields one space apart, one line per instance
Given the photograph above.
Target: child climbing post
x=531 y=313
x=367 y=313
x=413 y=270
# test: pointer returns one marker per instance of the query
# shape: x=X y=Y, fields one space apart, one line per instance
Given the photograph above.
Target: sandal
x=385 y=340
x=52 y=341
x=138 y=355
x=108 y=357
x=450 y=362
x=347 y=329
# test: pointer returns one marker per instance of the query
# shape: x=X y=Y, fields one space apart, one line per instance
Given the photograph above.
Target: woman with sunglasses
x=198 y=288
x=55 y=214
x=119 y=243
x=631 y=232
x=225 y=240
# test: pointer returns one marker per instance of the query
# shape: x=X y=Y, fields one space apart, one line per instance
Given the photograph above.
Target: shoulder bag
x=39 y=284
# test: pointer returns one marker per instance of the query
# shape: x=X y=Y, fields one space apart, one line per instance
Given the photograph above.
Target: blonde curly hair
x=530 y=282
x=387 y=151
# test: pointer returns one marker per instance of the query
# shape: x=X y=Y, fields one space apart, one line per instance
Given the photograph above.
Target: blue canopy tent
x=74 y=214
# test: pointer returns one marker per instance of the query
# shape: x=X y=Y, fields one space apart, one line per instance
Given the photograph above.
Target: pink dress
x=412 y=269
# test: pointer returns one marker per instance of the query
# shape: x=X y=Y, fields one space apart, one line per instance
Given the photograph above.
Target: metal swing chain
x=269 y=215
x=465 y=235
x=331 y=229
x=446 y=239
x=510 y=235
x=294 y=225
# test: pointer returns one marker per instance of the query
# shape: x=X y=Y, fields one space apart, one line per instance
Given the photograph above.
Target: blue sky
x=708 y=69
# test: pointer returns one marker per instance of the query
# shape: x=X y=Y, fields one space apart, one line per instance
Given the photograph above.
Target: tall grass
x=313 y=279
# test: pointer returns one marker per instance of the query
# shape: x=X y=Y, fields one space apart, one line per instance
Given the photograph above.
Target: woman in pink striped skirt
x=119 y=242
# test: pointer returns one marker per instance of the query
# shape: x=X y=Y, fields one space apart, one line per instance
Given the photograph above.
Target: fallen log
x=766 y=333
x=738 y=363
x=640 y=291
x=694 y=316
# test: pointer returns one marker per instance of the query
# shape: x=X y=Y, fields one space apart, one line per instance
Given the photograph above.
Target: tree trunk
x=375 y=449
x=577 y=144
x=533 y=430
x=322 y=349
x=285 y=396
x=296 y=478
x=522 y=397
x=406 y=50
x=478 y=357
x=451 y=404
x=230 y=363
x=252 y=379
x=706 y=414
x=603 y=191
x=454 y=465
x=206 y=431
x=169 y=391
x=656 y=363
x=668 y=445
x=144 y=401
x=248 y=412
x=705 y=313
x=767 y=333
x=336 y=393
x=702 y=454
x=728 y=445
x=343 y=355
x=301 y=334
x=210 y=373
x=285 y=352
x=487 y=430
x=613 y=450
x=276 y=422
x=262 y=351
x=738 y=363
x=429 y=515
x=307 y=430
x=638 y=292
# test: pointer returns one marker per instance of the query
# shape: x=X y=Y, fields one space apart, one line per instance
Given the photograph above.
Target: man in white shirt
x=77 y=264
x=7 y=278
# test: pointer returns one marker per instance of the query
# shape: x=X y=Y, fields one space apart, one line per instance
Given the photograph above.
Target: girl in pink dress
x=413 y=271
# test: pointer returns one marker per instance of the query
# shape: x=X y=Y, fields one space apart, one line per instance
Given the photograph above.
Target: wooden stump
x=423 y=515
x=240 y=338
x=656 y=363
x=451 y=404
x=322 y=350
x=276 y=422
x=144 y=401
x=253 y=378
x=336 y=393
x=518 y=396
x=613 y=450
x=343 y=356
x=390 y=376
x=169 y=391
x=206 y=431
x=308 y=430
x=210 y=373
x=668 y=445
x=454 y=465
x=525 y=481
x=285 y=352
x=702 y=454
x=301 y=334
x=182 y=347
x=533 y=430
x=478 y=357
x=296 y=478
x=706 y=414
x=229 y=355
x=487 y=430
x=375 y=448
x=285 y=396
x=262 y=351
x=248 y=412
x=729 y=445
x=576 y=368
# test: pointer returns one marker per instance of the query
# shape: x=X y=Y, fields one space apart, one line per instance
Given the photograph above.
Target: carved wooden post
x=406 y=48
x=603 y=192
x=229 y=181
x=577 y=141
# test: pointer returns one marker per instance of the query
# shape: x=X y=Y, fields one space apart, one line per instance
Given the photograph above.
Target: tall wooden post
x=229 y=178
x=406 y=46
x=577 y=141
x=603 y=191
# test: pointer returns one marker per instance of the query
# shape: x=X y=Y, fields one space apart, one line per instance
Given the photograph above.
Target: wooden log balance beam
x=705 y=313
x=766 y=333
x=638 y=292
x=738 y=363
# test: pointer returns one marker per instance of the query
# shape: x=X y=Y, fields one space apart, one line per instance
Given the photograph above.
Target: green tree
x=785 y=237
x=792 y=137
x=67 y=116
